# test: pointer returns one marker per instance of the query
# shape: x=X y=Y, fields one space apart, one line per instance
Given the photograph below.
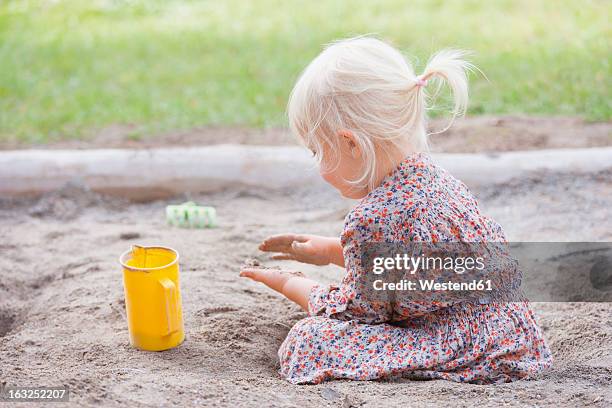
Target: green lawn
x=70 y=68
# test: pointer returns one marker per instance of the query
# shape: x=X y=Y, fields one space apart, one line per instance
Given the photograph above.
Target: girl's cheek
x=329 y=177
x=326 y=176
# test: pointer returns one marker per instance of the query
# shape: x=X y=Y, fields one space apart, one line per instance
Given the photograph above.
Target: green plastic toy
x=191 y=215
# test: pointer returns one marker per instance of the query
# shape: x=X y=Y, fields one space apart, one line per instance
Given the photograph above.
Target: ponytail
x=448 y=66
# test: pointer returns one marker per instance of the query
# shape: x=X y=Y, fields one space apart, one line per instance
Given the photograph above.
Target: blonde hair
x=367 y=87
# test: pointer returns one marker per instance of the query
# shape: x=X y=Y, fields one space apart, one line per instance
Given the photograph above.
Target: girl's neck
x=390 y=161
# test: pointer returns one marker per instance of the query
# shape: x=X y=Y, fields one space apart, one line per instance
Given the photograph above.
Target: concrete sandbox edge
x=144 y=174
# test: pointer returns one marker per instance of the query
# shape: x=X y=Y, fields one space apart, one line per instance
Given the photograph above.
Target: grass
x=70 y=68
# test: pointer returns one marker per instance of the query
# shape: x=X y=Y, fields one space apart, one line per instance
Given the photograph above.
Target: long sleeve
x=349 y=300
x=346 y=301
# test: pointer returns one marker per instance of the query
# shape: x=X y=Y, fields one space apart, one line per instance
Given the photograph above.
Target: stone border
x=156 y=173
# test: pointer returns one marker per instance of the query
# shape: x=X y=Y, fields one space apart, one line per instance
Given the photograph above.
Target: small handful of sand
x=254 y=263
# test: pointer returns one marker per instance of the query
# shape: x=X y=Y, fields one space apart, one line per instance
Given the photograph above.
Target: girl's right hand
x=311 y=249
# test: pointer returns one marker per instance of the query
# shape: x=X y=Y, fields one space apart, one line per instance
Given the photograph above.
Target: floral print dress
x=347 y=337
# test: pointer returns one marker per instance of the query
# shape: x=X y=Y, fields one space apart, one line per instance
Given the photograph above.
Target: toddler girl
x=360 y=109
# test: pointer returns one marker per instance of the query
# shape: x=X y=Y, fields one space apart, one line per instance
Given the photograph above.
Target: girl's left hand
x=273 y=278
x=294 y=285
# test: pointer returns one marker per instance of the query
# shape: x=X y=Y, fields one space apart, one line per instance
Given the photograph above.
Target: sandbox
x=62 y=312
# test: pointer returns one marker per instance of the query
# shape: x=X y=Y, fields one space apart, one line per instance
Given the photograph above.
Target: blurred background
x=73 y=69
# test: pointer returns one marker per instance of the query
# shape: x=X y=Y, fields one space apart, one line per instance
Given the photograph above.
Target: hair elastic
x=420 y=81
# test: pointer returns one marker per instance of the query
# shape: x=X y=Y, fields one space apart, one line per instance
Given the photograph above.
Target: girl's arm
x=297 y=289
x=312 y=249
x=336 y=255
x=293 y=285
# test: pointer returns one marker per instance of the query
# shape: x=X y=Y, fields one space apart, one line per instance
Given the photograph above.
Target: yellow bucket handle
x=171 y=302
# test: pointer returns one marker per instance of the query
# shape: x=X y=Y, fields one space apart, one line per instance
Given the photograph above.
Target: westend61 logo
x=486 y=271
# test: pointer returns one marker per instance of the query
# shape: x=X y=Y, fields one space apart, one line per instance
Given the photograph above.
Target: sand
x=62 y=309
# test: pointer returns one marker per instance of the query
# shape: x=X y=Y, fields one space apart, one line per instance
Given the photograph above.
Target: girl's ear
x=347 y=138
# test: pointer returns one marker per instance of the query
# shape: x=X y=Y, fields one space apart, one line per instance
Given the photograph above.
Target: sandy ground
x=467 y=135
x=61 y=301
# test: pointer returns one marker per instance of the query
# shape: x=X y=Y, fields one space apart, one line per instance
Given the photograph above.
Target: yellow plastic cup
x=153 y=297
